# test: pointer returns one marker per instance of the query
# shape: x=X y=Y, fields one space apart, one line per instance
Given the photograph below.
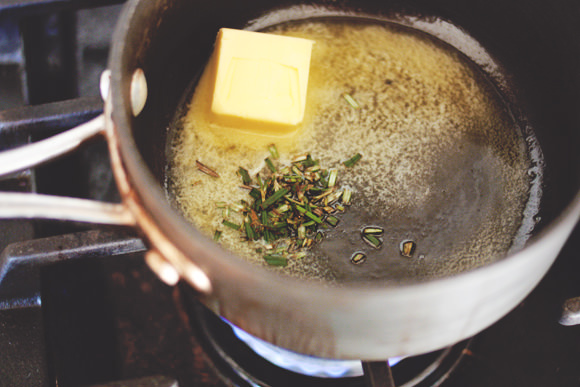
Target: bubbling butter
x=444 y=163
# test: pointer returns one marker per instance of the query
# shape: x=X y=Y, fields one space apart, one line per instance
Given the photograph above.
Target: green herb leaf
x=283 y=208
x=246 y=179
x=408 y=248
x=301 y=232
x=250 y=234
x=270 y=165
x=372 y=240
x=373 y=231
x=300 y=158
x=264 y=218
x=237 y=207
x=309 y=214
x=333 y=175
x=273 y=151
x=205 y=169
x=351 y=101
x=268 y=237
x=346 y=196
x=276 y=260
x=332 y=220
x=274 y=198
x=358 y=258
x=319 y=237
x=280 y=225
x=255 y=193
x=352 y=161
x=309 y=162
x=231 y=224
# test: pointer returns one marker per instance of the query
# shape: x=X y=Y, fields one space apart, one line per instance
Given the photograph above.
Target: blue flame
x=302 y=364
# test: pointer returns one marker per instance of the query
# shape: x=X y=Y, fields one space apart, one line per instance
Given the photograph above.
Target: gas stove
x=79 y=307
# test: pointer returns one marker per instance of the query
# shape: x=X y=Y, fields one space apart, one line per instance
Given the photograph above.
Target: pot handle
x=30 y=205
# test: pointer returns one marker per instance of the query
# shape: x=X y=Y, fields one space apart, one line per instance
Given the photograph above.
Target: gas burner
x=302 y=364
x=239 y=357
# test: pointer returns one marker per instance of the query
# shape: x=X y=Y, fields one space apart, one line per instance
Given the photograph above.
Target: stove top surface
x=106 y=318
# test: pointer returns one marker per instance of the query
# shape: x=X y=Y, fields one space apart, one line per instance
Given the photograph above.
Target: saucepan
x=160 y=46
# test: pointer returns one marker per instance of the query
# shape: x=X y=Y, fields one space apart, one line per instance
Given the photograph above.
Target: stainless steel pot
x=157 y=47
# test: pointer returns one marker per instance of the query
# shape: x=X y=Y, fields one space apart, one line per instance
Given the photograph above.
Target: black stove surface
x=108 y=318
x=92 y=313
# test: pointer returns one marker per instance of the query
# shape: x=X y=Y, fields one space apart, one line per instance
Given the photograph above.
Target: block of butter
x=260 y=81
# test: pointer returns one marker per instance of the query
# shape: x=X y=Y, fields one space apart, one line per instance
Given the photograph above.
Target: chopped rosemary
x=205 y=169
x=274 y=198
x=231 y=224
x=333 y=197
x=245 y=175
x=352 y=161
x=264 y=218
x=270 y=165
x=332 y=220
x=237 y=207
x=289 y=205
x=273 y=151
x=255 y=193
x=217 y=235
x=358 y=258
x=408 y=248
x=301 y=233
x=279 y=225
x=332 y=178
x=319 y=237
x=283 y=208
x=309 y=214
x=300 y=158
x=372 y=240
x=268 y=236
x=276 y=260
x=249 y=231
x=296 y=171
x=351 y=101
x=373 y=231
x=309 y=162
x=346 y=195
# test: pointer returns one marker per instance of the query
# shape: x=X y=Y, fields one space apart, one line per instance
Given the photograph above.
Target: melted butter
x=444 y=164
